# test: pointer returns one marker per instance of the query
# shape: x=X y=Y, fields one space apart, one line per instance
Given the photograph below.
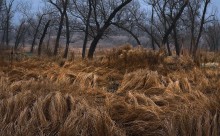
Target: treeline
x=166 y=24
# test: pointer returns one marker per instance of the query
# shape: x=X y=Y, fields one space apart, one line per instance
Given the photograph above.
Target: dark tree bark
x=7 y=7
x=165 y=22
x=57 y=43
x=3 y=38
x=192 y=40
x=35 y=34
x=192 y=29
x=87 y=30
x=42 y=37
x=177 y=47
x=95 y=42
x=201 y=27
x=151 y=28
x=7 y=30
x=105 y=26
x=8 y=16
x=176 y=18
x=62 y=11
x=67 y=36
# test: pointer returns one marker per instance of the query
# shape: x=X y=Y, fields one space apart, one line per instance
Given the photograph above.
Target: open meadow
x=123 y=91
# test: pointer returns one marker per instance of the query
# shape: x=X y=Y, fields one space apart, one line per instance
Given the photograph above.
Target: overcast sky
x=215 y=4
x=36 y=4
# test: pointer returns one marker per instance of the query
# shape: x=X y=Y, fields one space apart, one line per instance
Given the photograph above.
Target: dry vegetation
x=124 y=92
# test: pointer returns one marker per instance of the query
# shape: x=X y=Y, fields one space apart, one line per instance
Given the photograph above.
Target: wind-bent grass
x=129 y=91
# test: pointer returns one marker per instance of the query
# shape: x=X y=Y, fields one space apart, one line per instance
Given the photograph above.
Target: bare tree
x=151 y=28
x=206 y=3
x=102 y=28
x=193 y=12
x=164 y=18
x=61 y=6
x=87 y=29
x=142 y=24
x=173 y=26
x=8 y=14
x=161 y=9
x=67 y=36
x=24 y=8
x=126 y=21
x=36 y=32
x=212 y=35
x=43 y=36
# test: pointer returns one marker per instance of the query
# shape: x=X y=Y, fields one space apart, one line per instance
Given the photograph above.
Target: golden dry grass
x=127 y=91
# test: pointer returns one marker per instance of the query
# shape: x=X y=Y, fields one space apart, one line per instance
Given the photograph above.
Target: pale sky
x=35 y=3
x=215 y=6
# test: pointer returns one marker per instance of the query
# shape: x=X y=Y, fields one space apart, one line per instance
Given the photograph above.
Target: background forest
x=170 y=25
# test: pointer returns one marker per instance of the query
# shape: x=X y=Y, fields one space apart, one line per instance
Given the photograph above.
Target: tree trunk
x=151 y=29
x=169 y=30
x=177 y=47
x=7 y=30
x=201 y=27
x=87 y=30
x=35 y=34
x=67 y=36
x=42 y=38
x=59 y=34
x=8 y=20
x=192 y=40
x=102 y=30
x=94 y=44
x=3 y=37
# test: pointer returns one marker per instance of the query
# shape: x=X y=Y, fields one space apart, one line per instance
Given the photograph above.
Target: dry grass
x=127 y=91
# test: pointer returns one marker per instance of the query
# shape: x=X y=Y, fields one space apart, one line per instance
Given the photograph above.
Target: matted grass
x=127 y=91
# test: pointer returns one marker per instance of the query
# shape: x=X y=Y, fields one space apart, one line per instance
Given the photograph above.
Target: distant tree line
x=167 y=24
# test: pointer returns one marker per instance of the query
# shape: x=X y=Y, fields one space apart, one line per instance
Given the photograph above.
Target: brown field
x=125 y=91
